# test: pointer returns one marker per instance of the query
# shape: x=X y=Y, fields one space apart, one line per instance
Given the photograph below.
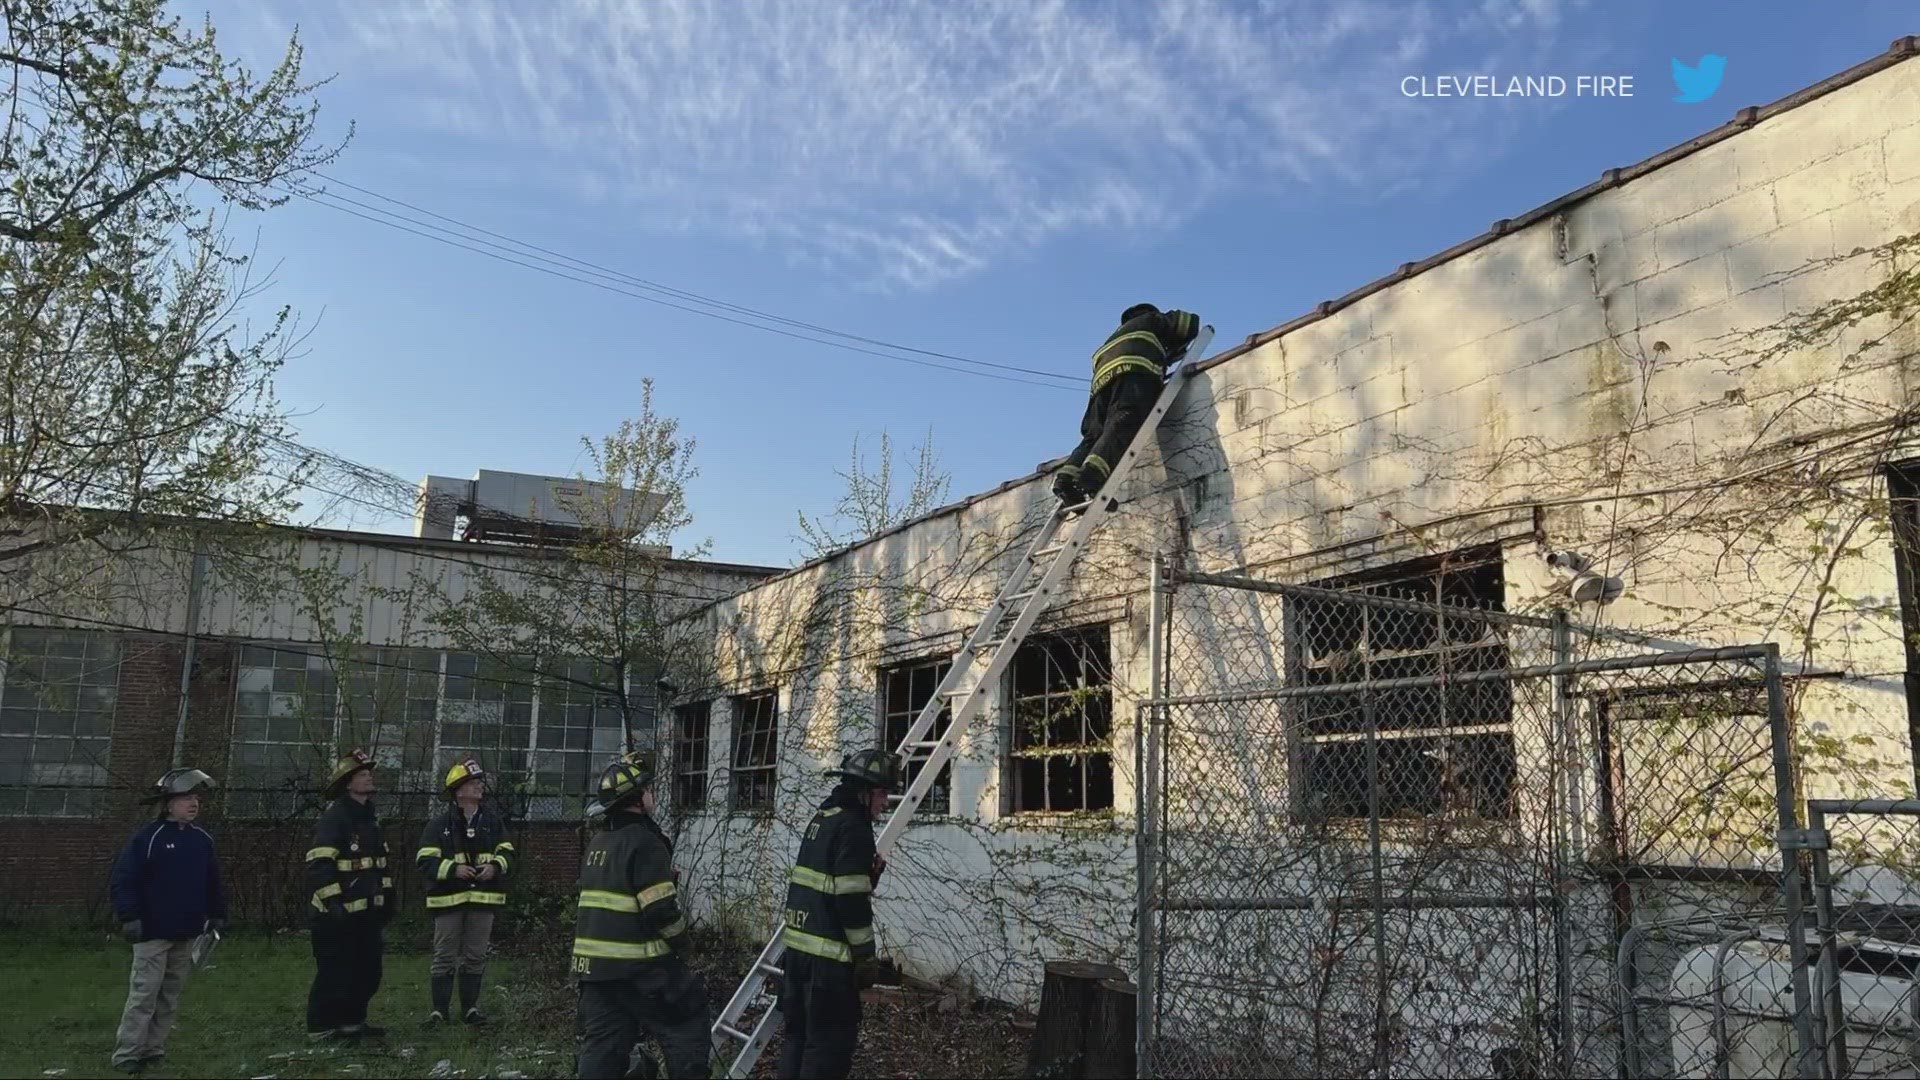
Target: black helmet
x=180 y=782
x=875 y=767
x=620 y=783
x=1137 y=311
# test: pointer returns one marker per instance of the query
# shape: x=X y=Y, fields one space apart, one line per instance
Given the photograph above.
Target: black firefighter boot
x=470 y=999
x=442 y=999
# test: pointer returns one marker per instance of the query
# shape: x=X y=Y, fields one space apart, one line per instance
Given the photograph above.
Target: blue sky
x=994 y=180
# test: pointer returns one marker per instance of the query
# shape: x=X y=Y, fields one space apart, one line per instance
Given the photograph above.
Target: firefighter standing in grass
x=629 y=946
x=829 y=921
x=351 y=904
x=166 y=891
x=464 y=855
x=1129 y=369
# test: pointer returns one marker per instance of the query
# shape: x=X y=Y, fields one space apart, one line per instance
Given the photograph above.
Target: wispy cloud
x=911 y=143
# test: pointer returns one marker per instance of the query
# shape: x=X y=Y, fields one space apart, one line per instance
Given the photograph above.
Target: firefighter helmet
x=180 y=782
x=463 y=770
x=620 y=783
x=875 y=767
x=356 y=762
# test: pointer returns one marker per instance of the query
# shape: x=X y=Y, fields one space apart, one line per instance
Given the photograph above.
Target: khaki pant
x=460 y=937
x=153 y=996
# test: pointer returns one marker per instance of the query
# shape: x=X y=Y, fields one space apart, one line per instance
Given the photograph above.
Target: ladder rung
x=988 y=645
x=771 y=969
x=735 y=1032
x=959 y=693
x=1050 y=549
x=927 y=745
x=1023 y=595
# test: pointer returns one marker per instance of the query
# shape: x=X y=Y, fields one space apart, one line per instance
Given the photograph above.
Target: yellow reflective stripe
x=381 y=862
x=812 y=879
x=675 y=927
x=843 y=885
x=815 y=945
x=1095 y=461
x=1133 y=335
x=1125 y=363
x=356 y=905
x=380 y=901
x=322 y=853
x=608 y=901
x=446 y=869
x=460 y=856
x=326 y=891
x=484 y=857
x=504 y=845
x=596 y=949
x=501 y=863
x=426 y=851
x=653 y=894
x=862 y=936
x=386 y=883
x=472 y=896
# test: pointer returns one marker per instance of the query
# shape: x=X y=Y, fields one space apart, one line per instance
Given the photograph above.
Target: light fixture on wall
x=1586 y=587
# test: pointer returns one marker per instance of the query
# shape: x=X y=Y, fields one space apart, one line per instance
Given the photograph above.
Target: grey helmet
x=180 y=782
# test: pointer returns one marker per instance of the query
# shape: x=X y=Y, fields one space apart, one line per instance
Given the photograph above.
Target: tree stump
x=1110 y=1049
x=1069 y=1008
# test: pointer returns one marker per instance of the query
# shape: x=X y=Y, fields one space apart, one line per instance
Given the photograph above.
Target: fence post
x=1791 y=842
x=1377 y=886
x=1146 y=744
x=1566 y=835
x=1833 y=1029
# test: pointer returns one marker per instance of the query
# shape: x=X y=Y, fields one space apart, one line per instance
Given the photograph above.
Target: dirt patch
x=905 y=1031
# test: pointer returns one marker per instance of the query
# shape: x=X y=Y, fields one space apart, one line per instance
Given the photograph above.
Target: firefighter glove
x=131 y=929
x=866 y=973
x=879 y=867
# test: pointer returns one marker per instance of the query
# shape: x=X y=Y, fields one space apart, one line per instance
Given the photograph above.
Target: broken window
x=905 y=690
x=756 y=750
x=1061 y=744
x=690 y=725
x=1444 y=748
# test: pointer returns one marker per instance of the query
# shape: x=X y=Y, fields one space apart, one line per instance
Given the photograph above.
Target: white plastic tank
x=1756 y=991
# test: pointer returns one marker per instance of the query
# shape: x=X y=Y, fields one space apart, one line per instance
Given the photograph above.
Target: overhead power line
x=580 y=271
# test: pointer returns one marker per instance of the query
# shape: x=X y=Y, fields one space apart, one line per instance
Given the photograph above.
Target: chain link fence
x=1865 y=857
x=1391 y=830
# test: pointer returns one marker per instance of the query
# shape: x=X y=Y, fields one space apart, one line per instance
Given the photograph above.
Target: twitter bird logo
x=1697 y=83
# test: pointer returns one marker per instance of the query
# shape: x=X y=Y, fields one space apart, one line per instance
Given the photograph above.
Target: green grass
x=246 y=1015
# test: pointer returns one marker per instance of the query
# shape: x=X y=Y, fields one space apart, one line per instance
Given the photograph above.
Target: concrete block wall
x=1460 y=403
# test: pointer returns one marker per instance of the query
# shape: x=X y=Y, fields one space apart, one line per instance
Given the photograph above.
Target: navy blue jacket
x=168 y=878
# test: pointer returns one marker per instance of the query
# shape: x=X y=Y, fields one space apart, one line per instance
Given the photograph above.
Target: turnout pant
x=820 y=1005
x=1113 y=417
x=347 y=955
x=460 y=938
x=153 y=996
x=666 y=1001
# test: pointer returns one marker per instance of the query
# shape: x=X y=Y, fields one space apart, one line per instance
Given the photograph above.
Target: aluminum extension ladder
x=999 y=635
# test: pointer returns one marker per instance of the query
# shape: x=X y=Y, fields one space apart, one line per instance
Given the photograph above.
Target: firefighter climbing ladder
x=1034 y=583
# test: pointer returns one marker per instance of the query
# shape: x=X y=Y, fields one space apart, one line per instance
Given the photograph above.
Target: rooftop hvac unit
x=521 y=507
x=1733 y=1000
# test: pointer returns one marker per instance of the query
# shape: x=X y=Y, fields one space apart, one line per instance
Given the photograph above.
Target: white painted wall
x=1437 y=412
